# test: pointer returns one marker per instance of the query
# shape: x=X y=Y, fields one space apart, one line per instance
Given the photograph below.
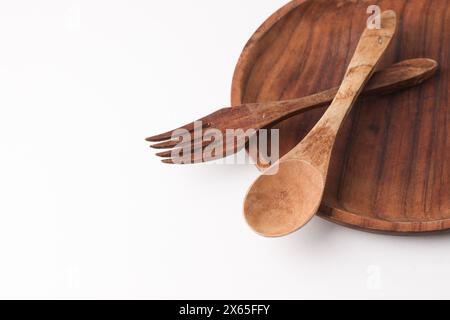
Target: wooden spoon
x=289 y=194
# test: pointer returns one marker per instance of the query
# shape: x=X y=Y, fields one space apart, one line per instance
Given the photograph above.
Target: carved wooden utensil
x=402 y=75
x=281 y=202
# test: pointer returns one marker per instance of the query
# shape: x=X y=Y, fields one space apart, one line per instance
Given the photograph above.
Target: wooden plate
x=390 y=170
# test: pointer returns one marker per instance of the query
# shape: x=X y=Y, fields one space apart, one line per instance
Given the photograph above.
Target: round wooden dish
x=390 y=170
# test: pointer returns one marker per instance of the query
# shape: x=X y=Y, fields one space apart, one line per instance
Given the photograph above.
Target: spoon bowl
x=275 y=208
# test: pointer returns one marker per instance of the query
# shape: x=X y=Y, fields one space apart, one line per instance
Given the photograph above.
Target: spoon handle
x=317 y=146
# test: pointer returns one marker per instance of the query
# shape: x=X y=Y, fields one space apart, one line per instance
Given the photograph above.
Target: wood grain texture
x=390 y=169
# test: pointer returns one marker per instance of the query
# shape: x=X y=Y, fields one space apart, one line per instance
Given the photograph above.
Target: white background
x=87 y=211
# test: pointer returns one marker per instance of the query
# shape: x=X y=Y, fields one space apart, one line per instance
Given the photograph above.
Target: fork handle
x=400 y=76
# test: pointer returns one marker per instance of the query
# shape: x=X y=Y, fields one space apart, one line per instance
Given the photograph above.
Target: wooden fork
x=405 y=74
